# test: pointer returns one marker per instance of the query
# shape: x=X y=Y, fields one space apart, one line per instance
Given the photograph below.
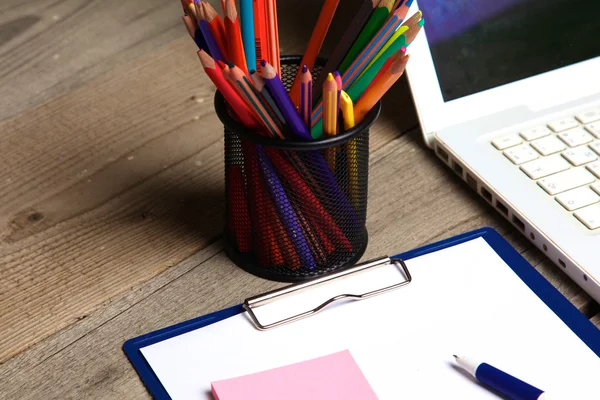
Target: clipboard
x=544 y=290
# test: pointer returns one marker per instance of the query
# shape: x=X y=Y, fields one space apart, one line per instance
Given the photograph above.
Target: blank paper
x=462 y=300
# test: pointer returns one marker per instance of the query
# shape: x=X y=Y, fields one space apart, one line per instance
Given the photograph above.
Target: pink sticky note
x=332 y=377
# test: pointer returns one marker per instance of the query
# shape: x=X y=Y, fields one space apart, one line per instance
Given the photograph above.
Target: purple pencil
x=299 y=128
x=286 y=106
x=284 y=209
x=211 y=42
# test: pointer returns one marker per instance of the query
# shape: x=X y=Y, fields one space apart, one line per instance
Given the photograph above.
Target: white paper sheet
x=463 y=300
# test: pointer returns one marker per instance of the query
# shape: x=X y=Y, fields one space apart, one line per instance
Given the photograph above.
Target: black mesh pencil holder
x=295 y=209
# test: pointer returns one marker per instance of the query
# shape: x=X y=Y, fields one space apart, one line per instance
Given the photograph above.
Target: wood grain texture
x=111 y=190
x=99 y=369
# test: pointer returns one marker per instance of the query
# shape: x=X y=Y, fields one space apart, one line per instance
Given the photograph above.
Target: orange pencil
x=260 y=33
x=314 y=45
x=216 y=26
x=272 y=34
x=234 y=36
x=331 y=111
x=368 y=100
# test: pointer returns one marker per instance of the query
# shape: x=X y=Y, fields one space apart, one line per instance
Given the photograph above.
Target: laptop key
x=575 y=137
x=567 y=180
x=548 y=145
x=594 y=168
x=594 y=129
x=589 y=216
x=580 y=155
x=563 y=124
x=535 y=133
x=521 y=154
x=546 y=166
x=577 y=198
x=505 y=142
x=589 y=116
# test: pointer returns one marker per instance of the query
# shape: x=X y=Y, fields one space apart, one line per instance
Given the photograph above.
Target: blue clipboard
x=559 y=304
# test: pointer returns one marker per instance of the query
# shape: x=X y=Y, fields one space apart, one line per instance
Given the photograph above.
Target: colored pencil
x=347 y=108
x=384 y=68
x=239 y=107
x=321 y=220
x=414 y=25
x=403 y=30
x=260 y=33
x=261 y=212
x=330 y=116
x=280 y=95
x=376 y=44
x=358 y=66
x=368 y=100
x=376 y=21
x=284 y=209
x=345 y=43
x=234 y=36
x=247 y=24
x=248 y=93
x=272 y=33
x=259 y=85
x=361 y=84
x=285 y=246
x=211 y=42
x=217 y=27
x=300 y=130
x=194 y=32
x=192 y=12
x=306 y=88
x=339 y=83
x=238 y=215
x=314 y=45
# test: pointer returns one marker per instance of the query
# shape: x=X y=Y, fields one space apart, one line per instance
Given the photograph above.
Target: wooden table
x=111 y=191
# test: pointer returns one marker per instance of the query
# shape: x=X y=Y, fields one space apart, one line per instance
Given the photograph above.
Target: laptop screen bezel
x=537 y=92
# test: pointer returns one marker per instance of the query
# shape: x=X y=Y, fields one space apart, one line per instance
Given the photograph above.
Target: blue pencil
x=284 y=209
x=247 y=24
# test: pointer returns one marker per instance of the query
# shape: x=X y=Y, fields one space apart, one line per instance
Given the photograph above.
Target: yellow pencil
x=347 y=108
x=331 y=110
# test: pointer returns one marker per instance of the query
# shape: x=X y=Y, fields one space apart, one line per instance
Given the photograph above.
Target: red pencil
x=216 y=26
x=239 y=107
x=234 y=37
x=260 y=33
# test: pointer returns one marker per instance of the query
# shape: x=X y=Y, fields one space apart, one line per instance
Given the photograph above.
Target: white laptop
x=508 y=96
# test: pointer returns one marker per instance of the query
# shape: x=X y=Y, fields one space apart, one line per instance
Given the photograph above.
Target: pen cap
x=295 y=208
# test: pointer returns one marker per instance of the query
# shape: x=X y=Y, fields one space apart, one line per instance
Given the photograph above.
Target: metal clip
x=268 y=297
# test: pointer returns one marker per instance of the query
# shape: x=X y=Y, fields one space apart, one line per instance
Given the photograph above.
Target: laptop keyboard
x=563 y=158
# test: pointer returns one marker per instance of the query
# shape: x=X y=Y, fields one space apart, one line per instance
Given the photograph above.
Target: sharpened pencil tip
x=330 y=77
x=252 y=71
x=230 y=64
x=263 y=63
x=304 y=68
x=455 y=356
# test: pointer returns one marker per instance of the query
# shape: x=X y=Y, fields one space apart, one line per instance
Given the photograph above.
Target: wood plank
x=596 y=320
x=98 y=182
x=434 y=204
x=47 y=49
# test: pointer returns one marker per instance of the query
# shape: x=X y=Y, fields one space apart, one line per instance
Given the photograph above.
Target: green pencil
x=363 y=82
x=378 y=18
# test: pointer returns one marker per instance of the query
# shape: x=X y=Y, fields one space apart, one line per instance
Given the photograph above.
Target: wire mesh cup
x=295 y=209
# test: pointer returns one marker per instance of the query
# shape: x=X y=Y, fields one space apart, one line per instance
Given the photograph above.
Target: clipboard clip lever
x=251 y=303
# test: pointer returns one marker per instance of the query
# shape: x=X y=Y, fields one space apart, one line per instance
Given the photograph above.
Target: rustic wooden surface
x=111 y=191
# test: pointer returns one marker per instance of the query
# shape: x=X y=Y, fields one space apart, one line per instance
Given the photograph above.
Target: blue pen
x=247 y=25
x=500 y=381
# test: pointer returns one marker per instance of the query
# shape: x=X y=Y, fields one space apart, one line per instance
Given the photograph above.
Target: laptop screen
x=481 y=44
